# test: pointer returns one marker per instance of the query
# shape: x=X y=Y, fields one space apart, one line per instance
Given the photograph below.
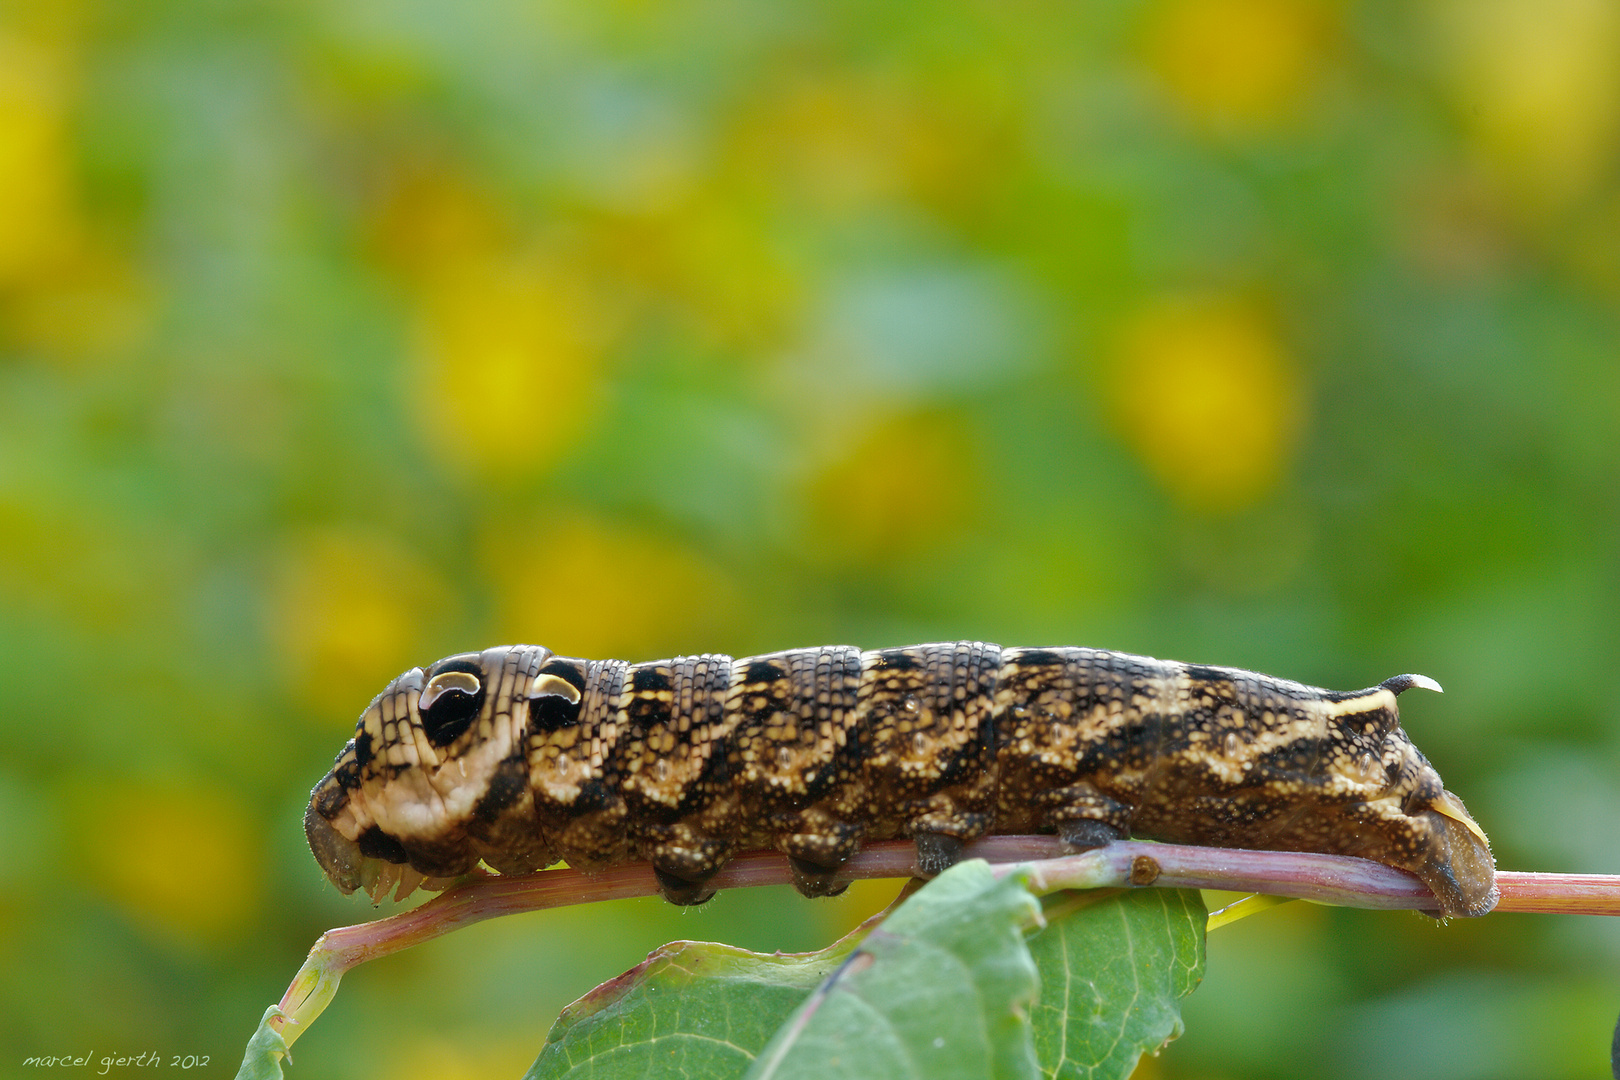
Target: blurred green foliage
x=336 y=337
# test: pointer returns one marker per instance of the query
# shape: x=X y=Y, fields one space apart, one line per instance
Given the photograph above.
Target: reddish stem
x=1325 y=878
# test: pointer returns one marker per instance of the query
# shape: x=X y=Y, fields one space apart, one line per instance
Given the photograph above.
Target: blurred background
x=335 y=337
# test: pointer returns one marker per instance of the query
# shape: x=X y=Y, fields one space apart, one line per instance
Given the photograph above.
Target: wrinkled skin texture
x=518 y=758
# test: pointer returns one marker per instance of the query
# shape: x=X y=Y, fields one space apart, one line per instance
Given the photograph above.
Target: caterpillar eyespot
x=451 y=682
x=553 y=686
x=526 y=758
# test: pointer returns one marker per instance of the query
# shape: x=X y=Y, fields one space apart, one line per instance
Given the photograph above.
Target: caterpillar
x=518 y=758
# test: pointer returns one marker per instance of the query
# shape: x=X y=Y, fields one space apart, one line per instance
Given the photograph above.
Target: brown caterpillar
x=519 y=758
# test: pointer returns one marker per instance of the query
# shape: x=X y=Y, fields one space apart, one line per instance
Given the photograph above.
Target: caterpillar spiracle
x=518 y=758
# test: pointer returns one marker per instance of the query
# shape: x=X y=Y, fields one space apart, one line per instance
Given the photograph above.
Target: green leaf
x=941 y=989
x=691 y=1009
x=949 y=964
x=946 y=987
x=1113 y=974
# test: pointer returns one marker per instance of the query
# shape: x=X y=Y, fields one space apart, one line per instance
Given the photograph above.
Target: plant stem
x=1327 y=879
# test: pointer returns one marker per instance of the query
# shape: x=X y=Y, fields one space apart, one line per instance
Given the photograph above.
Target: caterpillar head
x=435 y=770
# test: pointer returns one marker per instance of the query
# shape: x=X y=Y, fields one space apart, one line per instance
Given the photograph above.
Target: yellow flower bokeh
x=183 y=858
x=582 y=587
x=64 y=291
x=901 y=483
x=848 y=139
x=1209 y=396
x=348 y=611
x=95 y=306
x=507 y=366
x=1240 y=64
x=718 y=260
x=509 y=331
x=39 y=225
x=1538 y=86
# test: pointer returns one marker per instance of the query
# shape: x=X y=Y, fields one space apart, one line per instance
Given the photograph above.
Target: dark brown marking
x=649 y=679
x=763 y=671
x=506 y=787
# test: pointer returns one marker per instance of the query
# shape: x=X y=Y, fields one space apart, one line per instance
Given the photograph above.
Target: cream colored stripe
x=1368 y=702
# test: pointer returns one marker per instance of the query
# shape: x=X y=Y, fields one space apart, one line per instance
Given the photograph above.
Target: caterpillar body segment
x=518 y=758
